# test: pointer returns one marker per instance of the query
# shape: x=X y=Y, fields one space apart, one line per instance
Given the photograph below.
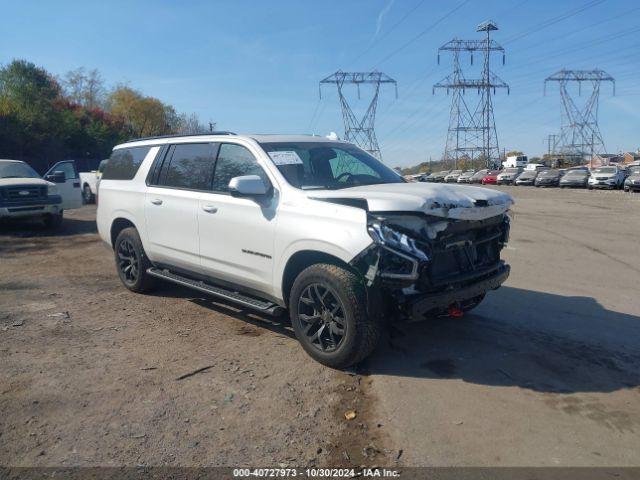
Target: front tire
x=328 y=308
x=132 y=262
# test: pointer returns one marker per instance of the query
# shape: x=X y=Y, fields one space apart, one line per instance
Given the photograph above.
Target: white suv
x=314 y=226
x=606 y=177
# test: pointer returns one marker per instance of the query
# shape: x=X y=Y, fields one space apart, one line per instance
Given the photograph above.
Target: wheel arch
x=117 y=226
x=303 y=259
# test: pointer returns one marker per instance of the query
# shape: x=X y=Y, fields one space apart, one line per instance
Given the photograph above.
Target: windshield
x=319 y=165
x=528 y=174
x=17 y=170
x=456 y=172
x=548 y=173
x=634 y=171
x=576 y=173
x=512 y=170
x=605 y=170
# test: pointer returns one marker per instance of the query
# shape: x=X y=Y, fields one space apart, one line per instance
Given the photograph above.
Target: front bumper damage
x=421 y=305
x=425 y=265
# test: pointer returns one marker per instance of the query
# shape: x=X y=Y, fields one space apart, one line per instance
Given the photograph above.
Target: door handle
x=156 y=201
x=210 y=208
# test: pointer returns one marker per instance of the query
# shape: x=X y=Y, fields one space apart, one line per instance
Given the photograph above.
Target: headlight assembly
x=52 y=190
x=387 y=236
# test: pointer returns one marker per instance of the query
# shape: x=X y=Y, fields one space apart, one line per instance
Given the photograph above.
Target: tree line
x=44 y=118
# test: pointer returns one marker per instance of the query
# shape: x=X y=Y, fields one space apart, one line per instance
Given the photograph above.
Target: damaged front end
x=428 y=265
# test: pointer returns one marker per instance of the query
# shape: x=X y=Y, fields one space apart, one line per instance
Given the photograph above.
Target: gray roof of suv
x=290 y=138
x=226 y=136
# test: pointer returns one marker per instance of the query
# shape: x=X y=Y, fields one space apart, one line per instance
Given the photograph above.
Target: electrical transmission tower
x=472 y=130
x=579 y=132
x=360 y=131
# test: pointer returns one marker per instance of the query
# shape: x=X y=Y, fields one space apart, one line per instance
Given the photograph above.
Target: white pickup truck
x=89 y=182
x=24 y=194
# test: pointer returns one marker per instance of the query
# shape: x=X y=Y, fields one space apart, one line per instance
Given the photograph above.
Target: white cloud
x=381 y=16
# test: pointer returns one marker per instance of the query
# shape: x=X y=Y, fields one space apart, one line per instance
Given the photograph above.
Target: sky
x=254 y=66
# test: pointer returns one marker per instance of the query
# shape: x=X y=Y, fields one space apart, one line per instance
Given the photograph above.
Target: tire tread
x=368 y=327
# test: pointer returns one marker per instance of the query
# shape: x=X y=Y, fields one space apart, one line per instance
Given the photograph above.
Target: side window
x=124 y=163
x=188 y=165
x=67 y=168
x=234 y=161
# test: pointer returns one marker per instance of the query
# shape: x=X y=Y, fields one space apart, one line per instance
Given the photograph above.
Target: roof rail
x=177 y=135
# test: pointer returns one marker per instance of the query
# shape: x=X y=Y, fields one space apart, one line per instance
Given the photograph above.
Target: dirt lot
x=545 y=372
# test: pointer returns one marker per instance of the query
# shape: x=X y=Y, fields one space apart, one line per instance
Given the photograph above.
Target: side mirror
x=56 y=177
x=248 y=186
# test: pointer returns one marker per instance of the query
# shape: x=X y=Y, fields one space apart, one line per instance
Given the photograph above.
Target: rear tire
x=132 y=262
x=87 y=196
x=328 y=309
x=53 y=220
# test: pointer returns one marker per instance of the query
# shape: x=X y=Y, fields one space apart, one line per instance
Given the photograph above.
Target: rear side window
x=188 y=166
x=234 y=161
x=124 y=163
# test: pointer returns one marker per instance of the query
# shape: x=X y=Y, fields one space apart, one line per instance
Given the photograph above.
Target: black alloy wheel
x=132 y=262
x=322 y=316
x=335 y=320
x=128 y=262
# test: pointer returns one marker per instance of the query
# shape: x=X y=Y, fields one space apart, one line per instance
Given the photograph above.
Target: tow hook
x=454 y=311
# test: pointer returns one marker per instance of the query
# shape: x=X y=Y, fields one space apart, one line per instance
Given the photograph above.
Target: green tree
x=144 y=116
x=28 y=107
x=514 y=153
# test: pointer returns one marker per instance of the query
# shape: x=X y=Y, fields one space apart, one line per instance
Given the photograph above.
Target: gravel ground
x=90 y=372
x=544 y=372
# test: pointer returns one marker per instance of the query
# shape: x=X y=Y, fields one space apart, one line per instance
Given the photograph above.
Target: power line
x=393 y=27
x=424 y=32
x=553 y=21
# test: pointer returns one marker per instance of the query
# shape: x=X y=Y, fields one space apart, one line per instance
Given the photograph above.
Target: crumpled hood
x=450 y=201
x=8 y=182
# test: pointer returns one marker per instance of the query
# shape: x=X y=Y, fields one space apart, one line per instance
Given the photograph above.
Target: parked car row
x=605 y=177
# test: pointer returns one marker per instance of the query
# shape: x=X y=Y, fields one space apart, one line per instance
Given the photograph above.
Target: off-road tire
x=53 y=220
x=143 y=282
x=362 y=331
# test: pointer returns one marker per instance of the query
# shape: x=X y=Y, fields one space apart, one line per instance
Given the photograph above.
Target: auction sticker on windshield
x=285 y=158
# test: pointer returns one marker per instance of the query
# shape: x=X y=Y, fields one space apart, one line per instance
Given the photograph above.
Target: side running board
x=263 y=306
